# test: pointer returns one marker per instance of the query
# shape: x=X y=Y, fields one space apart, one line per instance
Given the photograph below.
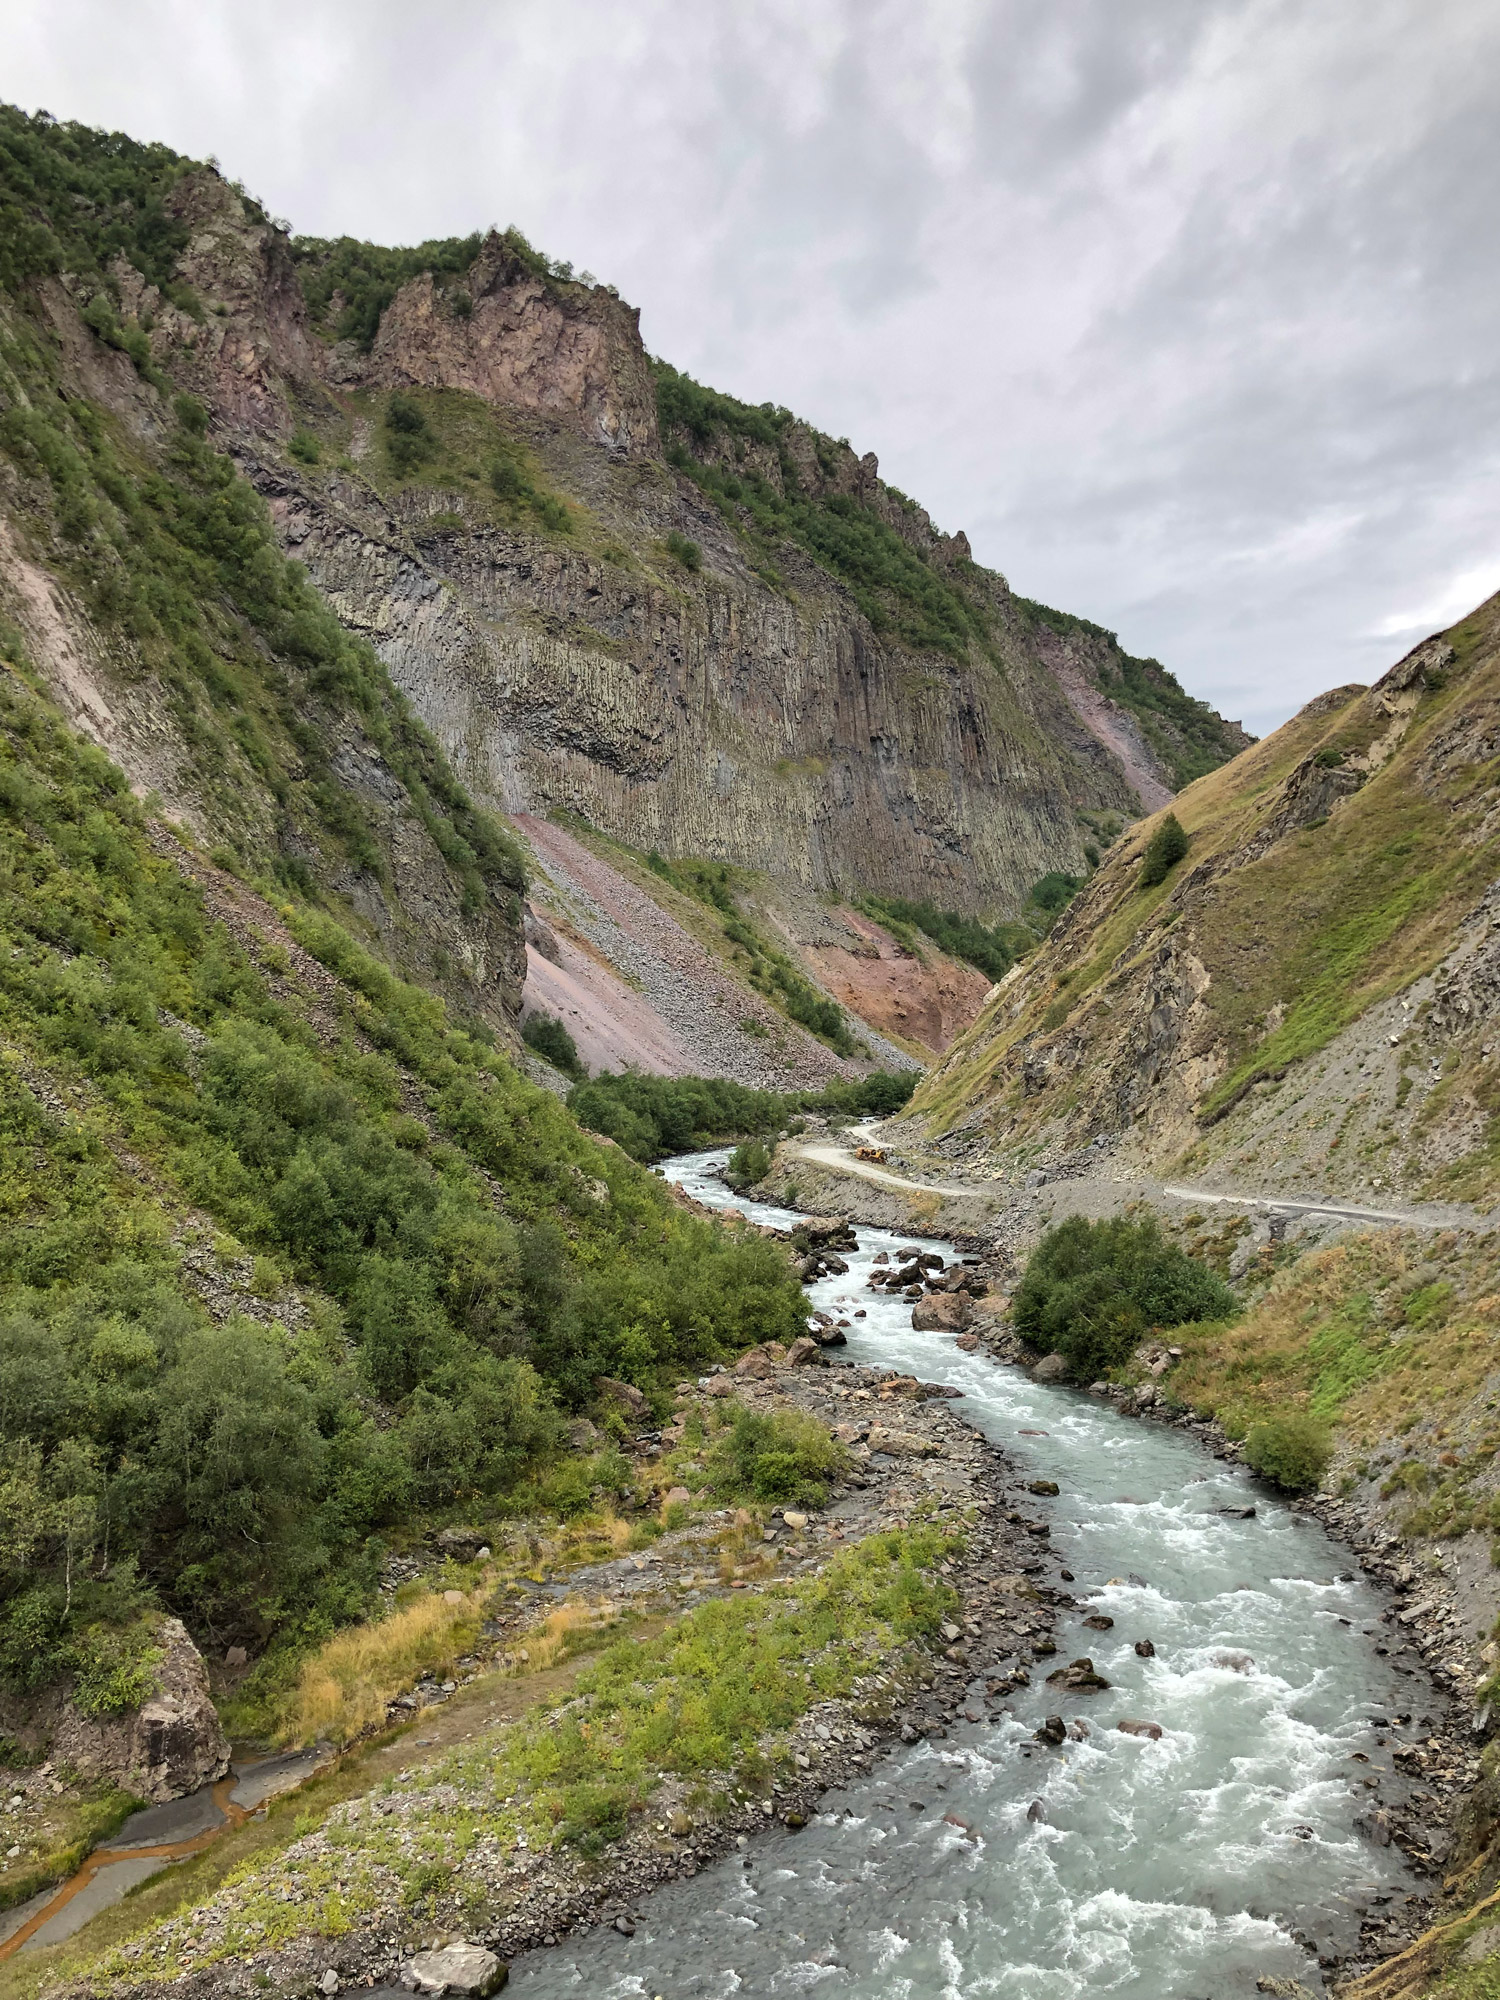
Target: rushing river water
x=1175 y=1870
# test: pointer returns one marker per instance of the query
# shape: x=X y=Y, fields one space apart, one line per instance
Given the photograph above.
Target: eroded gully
x=1180 y=1869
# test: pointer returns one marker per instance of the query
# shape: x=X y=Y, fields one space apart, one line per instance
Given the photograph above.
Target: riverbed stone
x=458 y=1968
x=1051 y=1368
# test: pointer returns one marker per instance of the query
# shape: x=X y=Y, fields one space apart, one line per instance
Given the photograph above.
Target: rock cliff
x=560 y=577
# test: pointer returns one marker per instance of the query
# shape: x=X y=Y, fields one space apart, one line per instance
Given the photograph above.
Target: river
x=1183 y=1869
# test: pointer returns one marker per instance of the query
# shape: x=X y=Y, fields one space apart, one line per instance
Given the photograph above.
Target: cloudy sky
x=1188 y=311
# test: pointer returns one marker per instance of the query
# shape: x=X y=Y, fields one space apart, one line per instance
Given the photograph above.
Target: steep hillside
x=704 y=628
x=1304 y=1000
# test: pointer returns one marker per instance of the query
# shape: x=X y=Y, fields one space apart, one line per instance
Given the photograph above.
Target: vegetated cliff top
x=1306 y=994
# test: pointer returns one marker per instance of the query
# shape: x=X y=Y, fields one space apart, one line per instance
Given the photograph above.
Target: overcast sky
x=1188 y=311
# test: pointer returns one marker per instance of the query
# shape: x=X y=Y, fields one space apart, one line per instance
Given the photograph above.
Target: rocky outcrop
x=568 y=351
x=169 y=1746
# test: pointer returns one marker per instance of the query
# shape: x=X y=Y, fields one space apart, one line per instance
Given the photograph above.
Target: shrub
x=749 y=1164
x=782 y=1456
x=686 y=551
x=191 y=414
x=652 y=1116
x=1092 y=1290
x=1164 y=850
x=305 y=447
x=1292 y=1451
x=408 y=441
x=508 y=480
x=551 y=1040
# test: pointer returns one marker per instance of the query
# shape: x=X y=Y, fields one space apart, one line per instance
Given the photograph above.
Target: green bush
x=408 y=441
x=748 y=1165
x=1093 y=1290
x=1292 y=1451
x=781 y=1457
x=685 y=550
x=191 y=414
x=551 y=1040
x=1164 y=850
x=305 y=447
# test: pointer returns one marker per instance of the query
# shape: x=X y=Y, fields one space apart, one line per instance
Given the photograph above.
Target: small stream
x=150 y=1840
x=1175 y=1870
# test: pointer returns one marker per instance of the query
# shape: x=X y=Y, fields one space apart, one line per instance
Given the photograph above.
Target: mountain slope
x=1304 y=1000
x=702 y=627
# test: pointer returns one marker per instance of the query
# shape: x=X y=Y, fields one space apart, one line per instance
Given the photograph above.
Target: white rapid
x=1182 y=1869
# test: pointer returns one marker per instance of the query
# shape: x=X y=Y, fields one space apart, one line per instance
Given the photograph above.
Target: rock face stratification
x=639 y=647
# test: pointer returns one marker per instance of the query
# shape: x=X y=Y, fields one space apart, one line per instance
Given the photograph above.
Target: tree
x=1164 y=850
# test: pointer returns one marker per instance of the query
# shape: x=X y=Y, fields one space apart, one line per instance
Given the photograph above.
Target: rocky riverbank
x=336 y=1908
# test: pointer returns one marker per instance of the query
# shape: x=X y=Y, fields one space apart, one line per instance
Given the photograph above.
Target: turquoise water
x=1176 y=1870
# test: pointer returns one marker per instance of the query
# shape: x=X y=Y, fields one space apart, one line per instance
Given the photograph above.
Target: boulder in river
x=1078 y=1677
x=1051 y=1368
x=1053 y=1731
x=1145 y=1649
x=1131 y=1726
x=169 y=1746
x=940 y=1312
x=1042 y=1486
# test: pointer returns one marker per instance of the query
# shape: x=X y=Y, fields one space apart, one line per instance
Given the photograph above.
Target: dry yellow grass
x=345 y=1686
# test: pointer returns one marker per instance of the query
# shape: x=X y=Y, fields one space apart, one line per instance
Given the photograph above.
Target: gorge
x=417 y=702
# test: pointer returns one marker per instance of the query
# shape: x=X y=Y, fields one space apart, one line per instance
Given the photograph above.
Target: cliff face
x=740 y=693
x=572 y=353
x=1306 y=1001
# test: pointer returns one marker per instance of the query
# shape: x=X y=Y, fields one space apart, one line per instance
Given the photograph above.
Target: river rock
x=801 y=1350
x=826 y=1231
x=1237 y=1663
x=1077 y=1677
x=1042 y=1486
x=1053 y=1731
x=1036 y=1812
x=902 y=1444
x=941 y=1312
x=1099 y=1621
x=1145 y=1649
x=1051 y=1368
x=457 y=1968
x=169 y=1746
x=1130 y=1726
